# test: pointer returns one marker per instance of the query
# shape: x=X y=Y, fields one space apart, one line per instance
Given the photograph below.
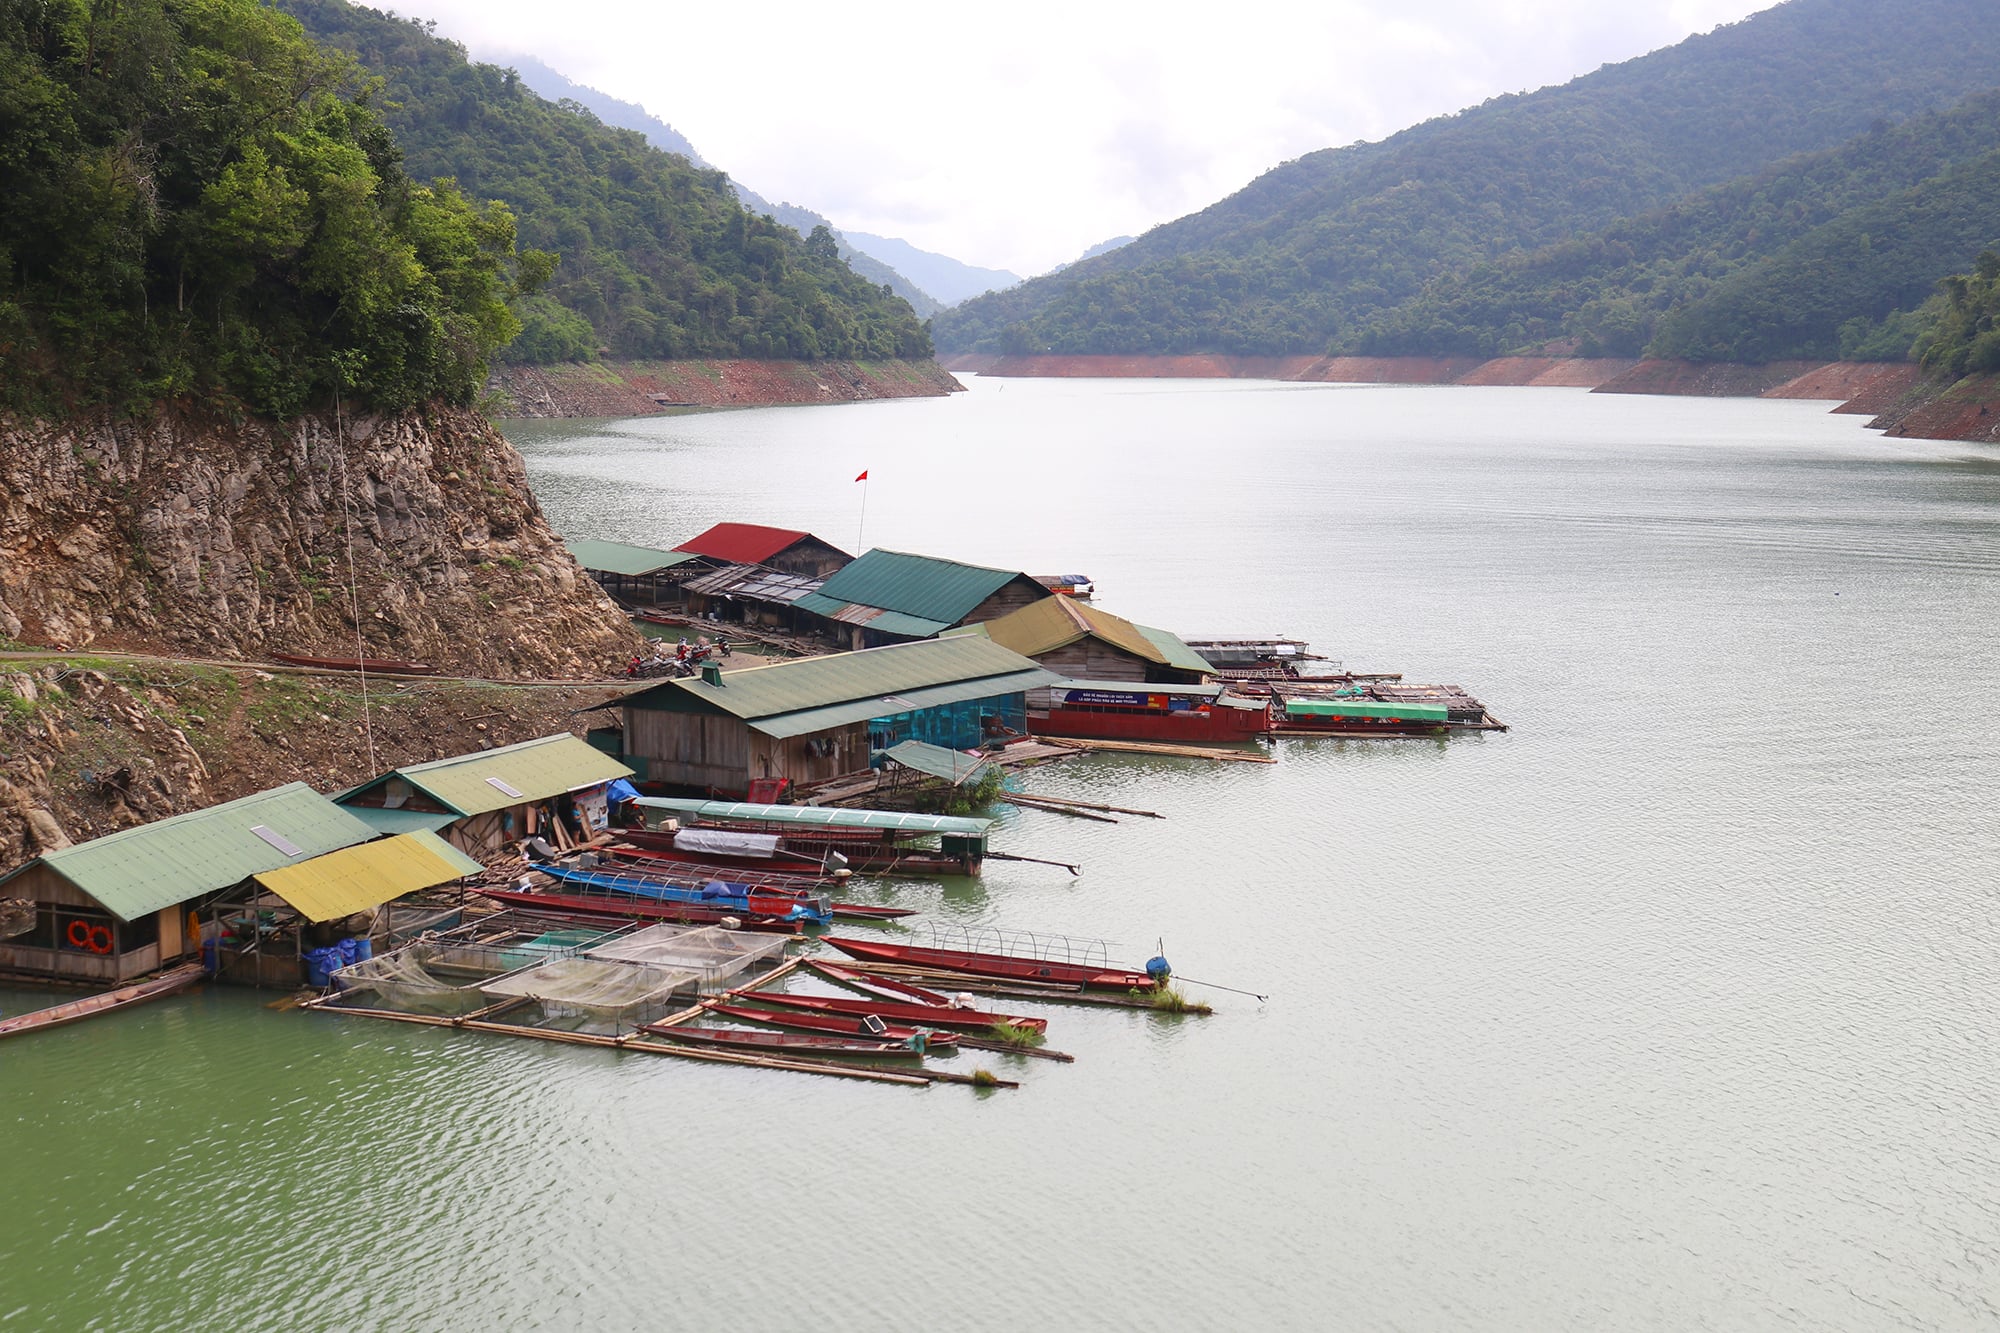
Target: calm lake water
x=1672 y=1008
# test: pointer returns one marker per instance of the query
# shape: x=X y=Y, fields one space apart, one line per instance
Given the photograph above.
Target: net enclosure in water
x=596 y=989
x=711 y=953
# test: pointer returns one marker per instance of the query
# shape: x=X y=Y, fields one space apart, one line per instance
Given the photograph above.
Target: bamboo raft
x=1218 y=753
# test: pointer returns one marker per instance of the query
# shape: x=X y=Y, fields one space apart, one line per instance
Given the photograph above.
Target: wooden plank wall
x=1012 y=597
x=692 y=749
x=1093 y=659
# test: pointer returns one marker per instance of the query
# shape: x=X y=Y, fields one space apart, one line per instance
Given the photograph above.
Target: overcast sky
x=1014 y=135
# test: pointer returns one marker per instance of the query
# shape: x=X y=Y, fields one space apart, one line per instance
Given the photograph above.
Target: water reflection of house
x=895 y=597
x=821 y=717
x=117 y=907
x=1088 y=643
x=482 y=803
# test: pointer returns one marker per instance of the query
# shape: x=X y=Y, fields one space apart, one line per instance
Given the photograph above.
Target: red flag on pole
x=863 y=476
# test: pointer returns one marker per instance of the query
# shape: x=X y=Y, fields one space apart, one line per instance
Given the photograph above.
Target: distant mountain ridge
x=1317 y=253
x=948 y=279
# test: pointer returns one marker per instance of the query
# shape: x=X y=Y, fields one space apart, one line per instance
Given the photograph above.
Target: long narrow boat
x=944 y=1016
x=888 y=852
x=685 y=875
x=778 y=863
x=90 y=1006
x=993 y=964
x=785 y=1042
x=869 y=983
x=381 y=666
x=1127 y=711
x=625 y=907
x=817 y=1022
x=716 y=894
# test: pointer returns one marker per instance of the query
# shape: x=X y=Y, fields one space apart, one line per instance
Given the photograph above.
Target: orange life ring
x=79 y=934
x=100 y=939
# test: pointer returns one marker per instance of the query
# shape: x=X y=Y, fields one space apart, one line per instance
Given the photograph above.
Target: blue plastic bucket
x=315 y=967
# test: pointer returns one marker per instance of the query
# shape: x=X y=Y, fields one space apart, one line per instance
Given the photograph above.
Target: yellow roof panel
x=356 y=879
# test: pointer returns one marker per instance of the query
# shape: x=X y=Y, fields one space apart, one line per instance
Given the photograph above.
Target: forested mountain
x=1965 y=338
x=1726 y=261
x=656 y=256
x=1308 y=257
x=804 y=220
x=199 y=207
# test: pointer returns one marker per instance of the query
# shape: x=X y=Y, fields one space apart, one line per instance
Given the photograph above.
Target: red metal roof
x=742 y=543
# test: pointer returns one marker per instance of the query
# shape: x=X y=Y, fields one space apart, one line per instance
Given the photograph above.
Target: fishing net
x=711 y=953
x=594 y=989
x=424 y=977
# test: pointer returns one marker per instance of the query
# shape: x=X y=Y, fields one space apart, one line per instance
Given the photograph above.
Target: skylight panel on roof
x=278 y=840
x=503 y=788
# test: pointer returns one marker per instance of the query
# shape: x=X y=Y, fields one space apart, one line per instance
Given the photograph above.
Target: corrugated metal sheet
x=816 y=682
x=1367 y=708
x=356 y=879
x=821 y=815
x=1177 y=654
x=473 y=784
x=954 y=766
x=399 y=821
x=618 y=558
x=916 y=585
x=903 y=701
x=1044 y=626
x=743 y=543
x=139 y=871
x=753 y=582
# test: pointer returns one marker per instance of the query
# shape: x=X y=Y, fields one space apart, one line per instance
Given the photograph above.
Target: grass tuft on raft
x=1013 y=1034
x=1173 y=1000
x=985 y=1078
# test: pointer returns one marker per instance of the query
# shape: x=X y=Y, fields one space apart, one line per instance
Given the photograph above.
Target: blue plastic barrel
x=364 y=948
x=347 y=952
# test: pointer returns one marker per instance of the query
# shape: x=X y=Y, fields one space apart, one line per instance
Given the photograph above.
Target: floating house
x=895 y=597
x=119 y=906
x=481 y=803
x=783 y=549
x=822 y=717
x=636 y=575
x=754 y=595
x=1087 y=643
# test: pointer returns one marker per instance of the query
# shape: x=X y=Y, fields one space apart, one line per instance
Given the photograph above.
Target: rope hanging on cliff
x=353 y=591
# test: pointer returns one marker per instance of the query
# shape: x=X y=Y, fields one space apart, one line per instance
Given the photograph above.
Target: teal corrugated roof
x=821 y=815
x=872 y=677
x=139 y=871
x=954 y=766
x=473 y=784
x=923 y=586
x=399 y=821
x=618 y=558
x=903 y=701
x=1177 y=654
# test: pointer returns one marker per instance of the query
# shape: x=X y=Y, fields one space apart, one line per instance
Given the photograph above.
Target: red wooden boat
x=944 y=1016
x=784 y=1043
x=817 y=1022
x=381 y=666
x=887 y=988
x=993 y=965
x=625 y=907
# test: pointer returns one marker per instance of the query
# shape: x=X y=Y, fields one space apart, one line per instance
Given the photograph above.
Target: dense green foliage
x=1739 y=271
x=657 y=258
x=1965 y=339
x=199 y=207
x=1311 y=256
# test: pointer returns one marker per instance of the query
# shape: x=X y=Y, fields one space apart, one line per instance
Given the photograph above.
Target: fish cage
x=595 y=991
x=443 y=974
x=712 y=953
x=1007 y=943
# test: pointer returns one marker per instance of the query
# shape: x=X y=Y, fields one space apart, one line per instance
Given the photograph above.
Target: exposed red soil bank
x=1967 y=410
x=1860 y=387
x=639 y=388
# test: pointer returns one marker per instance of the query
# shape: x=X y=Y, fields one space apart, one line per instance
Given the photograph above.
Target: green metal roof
x=1367 y=708
x=399 y=821
x=139 y=871
x=813 y=693
x=473 y=784
x=618 y=558
x=1177 y=654
x=930 y=589
x=822 y=816
x=954 y=766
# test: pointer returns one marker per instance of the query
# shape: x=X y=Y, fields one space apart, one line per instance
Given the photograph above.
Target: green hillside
x=198 y=207
x=657 y=258
x=1307 y=258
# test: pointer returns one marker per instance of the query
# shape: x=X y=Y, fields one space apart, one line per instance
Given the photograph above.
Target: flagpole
x=863 y=524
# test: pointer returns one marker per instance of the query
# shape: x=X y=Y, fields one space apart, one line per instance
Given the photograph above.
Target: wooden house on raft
x=120 y=906
x=1086 y=642
x=484 y=803
x=822 y=717
x=786 y=550
x=894 y=597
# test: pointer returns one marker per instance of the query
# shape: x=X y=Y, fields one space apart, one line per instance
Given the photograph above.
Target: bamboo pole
x=1182 y=751
x=1007 y=1048
x=1088 y=805
x=1054 y=808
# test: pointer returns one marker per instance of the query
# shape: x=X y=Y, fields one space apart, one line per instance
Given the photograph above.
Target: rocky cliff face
x=234 y=542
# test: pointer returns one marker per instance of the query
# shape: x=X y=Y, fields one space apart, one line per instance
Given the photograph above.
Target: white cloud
x=1015 y=136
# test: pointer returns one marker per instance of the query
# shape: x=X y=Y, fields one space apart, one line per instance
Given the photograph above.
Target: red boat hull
x=813 y=1022
x=993 y=965
x=622 y=907
x=887 y=988
x=964 y=1020
x=1214 y=726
